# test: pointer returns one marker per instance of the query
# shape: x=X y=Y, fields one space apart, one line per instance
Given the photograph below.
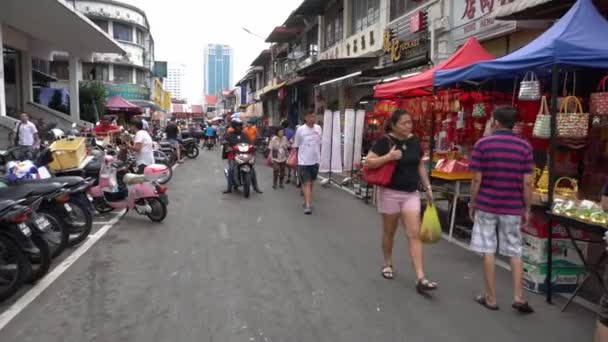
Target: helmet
x=237 y=121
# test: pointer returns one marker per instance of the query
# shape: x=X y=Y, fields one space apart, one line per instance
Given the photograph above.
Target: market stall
x=576 y=44
x=123 y=109
x=448 y=122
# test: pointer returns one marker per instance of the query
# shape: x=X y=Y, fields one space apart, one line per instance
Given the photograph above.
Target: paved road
x=222 y=268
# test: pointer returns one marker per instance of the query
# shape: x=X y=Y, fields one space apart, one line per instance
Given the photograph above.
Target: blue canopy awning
x=577 y=39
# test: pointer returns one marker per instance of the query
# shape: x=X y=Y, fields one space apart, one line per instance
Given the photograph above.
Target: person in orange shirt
x=251 y=131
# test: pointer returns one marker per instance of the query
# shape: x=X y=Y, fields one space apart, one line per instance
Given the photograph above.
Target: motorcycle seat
x=165 y=144
x=186 y=140
x=6 y=204
x=132 y=178
x=15 y=193
x=69 y=181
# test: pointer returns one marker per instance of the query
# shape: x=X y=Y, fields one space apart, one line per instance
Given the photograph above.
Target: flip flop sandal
x=387 y=272
x=424 y=286
x=483 y=301
x=523 y=308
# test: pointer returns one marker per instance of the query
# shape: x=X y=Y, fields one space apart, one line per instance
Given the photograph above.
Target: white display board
x=331 y=148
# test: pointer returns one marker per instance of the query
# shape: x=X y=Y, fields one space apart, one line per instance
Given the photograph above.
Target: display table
x=592 y=267
x=457 y=185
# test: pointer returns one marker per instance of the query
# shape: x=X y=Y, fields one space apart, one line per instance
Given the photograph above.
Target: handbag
x=382 y=175
x=560 y=100
x=598 y=101
x=16 y=139
x=542 y=124
x=292 y=161
x=574 y=124
x=529 y=88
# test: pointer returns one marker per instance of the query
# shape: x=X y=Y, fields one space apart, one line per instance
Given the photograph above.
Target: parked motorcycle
x=244 y=157
x=78 y=210
x=52 y=208
x=14 y=265
x=189 y=148
x=140 y=192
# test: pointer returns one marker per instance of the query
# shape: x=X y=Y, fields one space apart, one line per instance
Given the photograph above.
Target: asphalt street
x=223 y=268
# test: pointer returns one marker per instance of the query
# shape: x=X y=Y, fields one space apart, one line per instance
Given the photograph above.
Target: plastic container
x=68 y=154
x=156 y=172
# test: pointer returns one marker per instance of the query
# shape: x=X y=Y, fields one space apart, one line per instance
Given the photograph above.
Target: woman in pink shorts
x=400 y=200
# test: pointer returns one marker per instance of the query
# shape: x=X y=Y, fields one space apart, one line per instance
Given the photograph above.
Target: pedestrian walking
x=501 y=193
x=289 y=134
x=278 y=146
x=400 y=200
x=25 y=136
x=308 y=143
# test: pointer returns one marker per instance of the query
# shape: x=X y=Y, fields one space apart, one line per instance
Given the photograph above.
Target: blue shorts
x=308 y=173
x=173 y=142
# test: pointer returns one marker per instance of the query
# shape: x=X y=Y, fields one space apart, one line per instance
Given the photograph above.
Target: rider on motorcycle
x=232 y=139
x=210 y=132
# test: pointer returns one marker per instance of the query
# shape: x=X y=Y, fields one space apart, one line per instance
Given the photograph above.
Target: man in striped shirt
x=501 y=192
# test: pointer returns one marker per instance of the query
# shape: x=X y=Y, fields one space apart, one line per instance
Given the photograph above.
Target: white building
x=129 y=75
x=175 y=80
x=31 y=31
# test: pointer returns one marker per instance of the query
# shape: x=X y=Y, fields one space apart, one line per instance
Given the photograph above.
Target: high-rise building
x=175 y=80
x=218 y=68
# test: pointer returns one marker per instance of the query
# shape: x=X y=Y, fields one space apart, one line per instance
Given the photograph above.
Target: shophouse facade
x=130 y=75
x=31 y=36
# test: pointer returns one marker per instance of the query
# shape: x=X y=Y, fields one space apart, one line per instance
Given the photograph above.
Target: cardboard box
x=535 y=251
x=563 y=279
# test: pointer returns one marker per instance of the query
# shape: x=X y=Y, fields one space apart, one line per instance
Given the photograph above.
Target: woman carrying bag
x=399 y=150
x=279 y=146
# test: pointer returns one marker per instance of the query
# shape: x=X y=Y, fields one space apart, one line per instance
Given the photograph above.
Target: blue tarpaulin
x=579 y=38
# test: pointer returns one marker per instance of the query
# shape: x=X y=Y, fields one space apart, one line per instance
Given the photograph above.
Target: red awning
x=117 y=103
x=422 y=84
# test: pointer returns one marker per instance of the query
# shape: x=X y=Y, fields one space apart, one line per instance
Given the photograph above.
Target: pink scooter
x=140 y=192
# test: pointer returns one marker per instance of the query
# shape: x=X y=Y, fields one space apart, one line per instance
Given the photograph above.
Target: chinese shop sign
x=474 y=18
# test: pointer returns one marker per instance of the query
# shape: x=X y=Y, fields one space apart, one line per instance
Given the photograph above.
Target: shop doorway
x=12 y=81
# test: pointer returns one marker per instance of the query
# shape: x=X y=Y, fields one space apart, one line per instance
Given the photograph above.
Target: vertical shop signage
x=474 y=18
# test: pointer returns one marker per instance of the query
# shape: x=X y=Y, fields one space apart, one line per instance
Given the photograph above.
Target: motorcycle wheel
x=39 y=257
x=246 y=185
x=192 y=152
x=172 y=158
x=101 y=206
x=159 y=210
x=13 y=267
x=58 y=234
x=168 y=177
x=80 y=223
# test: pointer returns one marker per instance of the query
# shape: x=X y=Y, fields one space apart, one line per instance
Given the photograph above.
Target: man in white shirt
x=25 y=136
x=26 y=132
x=142 y=146
x=308 y=142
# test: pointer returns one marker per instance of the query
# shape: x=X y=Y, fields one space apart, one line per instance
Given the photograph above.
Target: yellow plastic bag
x=430 y=231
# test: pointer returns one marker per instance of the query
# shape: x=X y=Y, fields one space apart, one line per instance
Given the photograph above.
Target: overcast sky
x=182 y=28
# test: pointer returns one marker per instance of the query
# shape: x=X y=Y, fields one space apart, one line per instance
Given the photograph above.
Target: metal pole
x=331 y=147
x=551 y=163
x=352 y=165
